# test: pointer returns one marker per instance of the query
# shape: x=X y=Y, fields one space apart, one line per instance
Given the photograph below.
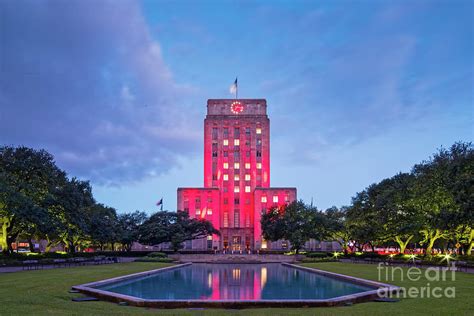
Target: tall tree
x=129 y=228
x=174 y=227
x=27 y=178
x=294 y=222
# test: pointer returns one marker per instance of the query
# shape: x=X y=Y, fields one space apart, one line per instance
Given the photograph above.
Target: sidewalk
x=48 y=267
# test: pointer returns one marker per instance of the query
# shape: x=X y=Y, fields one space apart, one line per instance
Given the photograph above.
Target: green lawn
x=45 y=292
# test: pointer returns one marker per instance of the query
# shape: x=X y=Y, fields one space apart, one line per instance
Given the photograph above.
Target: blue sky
x=357 y=90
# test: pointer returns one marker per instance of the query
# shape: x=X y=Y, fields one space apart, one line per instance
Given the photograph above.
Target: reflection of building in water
x=232 y=282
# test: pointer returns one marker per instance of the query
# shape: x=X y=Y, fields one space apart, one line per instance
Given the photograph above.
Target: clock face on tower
x=236 y=107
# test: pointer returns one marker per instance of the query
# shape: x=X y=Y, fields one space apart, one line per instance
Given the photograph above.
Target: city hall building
x=236 y=177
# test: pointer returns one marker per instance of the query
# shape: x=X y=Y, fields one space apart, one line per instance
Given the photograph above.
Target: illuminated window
x=198 y=211
x=264 y=244
x=209 y=211
x=287 y=198
x=226 y=142
x=247 y=165
x=264 y=199
x=226 y=177
x=259 y=165
x=236 y=165
x=236 y=218
x=226 y=165
x=258 y=130
x=247 y=177
x=226 y=219
x=275 y=199
x=236 y=142
x=237 y=189
x=247 y=188
x=236 y=177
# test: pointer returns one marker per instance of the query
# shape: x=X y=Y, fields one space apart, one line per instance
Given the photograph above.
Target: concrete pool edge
x=89 y=289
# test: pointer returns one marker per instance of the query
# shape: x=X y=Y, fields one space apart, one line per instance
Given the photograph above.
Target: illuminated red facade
x=236 y=175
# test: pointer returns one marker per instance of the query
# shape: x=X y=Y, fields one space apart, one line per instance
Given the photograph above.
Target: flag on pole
x=160 y=203
x=233 y=88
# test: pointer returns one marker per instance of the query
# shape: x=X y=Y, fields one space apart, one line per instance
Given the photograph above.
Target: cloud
x=90 y=84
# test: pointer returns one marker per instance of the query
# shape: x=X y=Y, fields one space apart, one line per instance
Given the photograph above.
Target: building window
x=226 y=165
x=259 y=142
x=225 y=177
x=247 y=177
x=247 y=188
x=264 y=199
x=226 y=201
x=214 y=133
x=258 y=130
x=247 y=143
x=236 y=177
x=236 y=165
x=275 y=199
x=259 y=165
x=214 y=154
x=247 y=131
x=247 y=201
x=226 y=142
x=226 y=153
x=287 y=198
x=236 y=142
x=226 y=219
x=259 y=153
x=198 y=211
x=226 y=131
x=236 y=218
x=236 y=155
x=236 y=131
x=236 y=201
x=209 y=211
x=214 y=177
x=236 y=189
x=247 y=165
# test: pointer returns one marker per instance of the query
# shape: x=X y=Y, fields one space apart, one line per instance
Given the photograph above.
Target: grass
x=45 y=292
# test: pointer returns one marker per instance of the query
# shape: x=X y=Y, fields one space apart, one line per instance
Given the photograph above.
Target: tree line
x=431 y=206
x=38 y=201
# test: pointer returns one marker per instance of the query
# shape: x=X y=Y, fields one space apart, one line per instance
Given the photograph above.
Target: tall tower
x=236 y=174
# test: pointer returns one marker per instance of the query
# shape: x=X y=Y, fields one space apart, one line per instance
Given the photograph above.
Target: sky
x=116 y=90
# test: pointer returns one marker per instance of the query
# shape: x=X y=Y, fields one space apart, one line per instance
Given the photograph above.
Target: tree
x=102 y=226
x=399 y=219
x=294 y=222
x=73 y=203
x=174 y=227
x=336 y=226
x=129 y=228
x=27 y=178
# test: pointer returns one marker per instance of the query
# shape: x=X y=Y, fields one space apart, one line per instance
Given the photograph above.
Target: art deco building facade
x=236 y=176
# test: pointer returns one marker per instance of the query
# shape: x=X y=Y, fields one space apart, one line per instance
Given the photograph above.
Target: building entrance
x=236 y=243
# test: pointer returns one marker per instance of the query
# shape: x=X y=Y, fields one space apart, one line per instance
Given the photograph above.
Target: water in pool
x=235 y=282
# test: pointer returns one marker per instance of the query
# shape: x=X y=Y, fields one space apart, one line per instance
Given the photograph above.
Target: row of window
x=209 y=211
x=237 y=165
x=225 y=142
x=215 y=130
x=225 y=177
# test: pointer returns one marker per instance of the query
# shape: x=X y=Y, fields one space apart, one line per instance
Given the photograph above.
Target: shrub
x=318 y=254
x=157 y=255
x=154 y=259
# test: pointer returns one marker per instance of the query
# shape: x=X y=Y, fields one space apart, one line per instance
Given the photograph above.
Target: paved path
x=50 y=266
